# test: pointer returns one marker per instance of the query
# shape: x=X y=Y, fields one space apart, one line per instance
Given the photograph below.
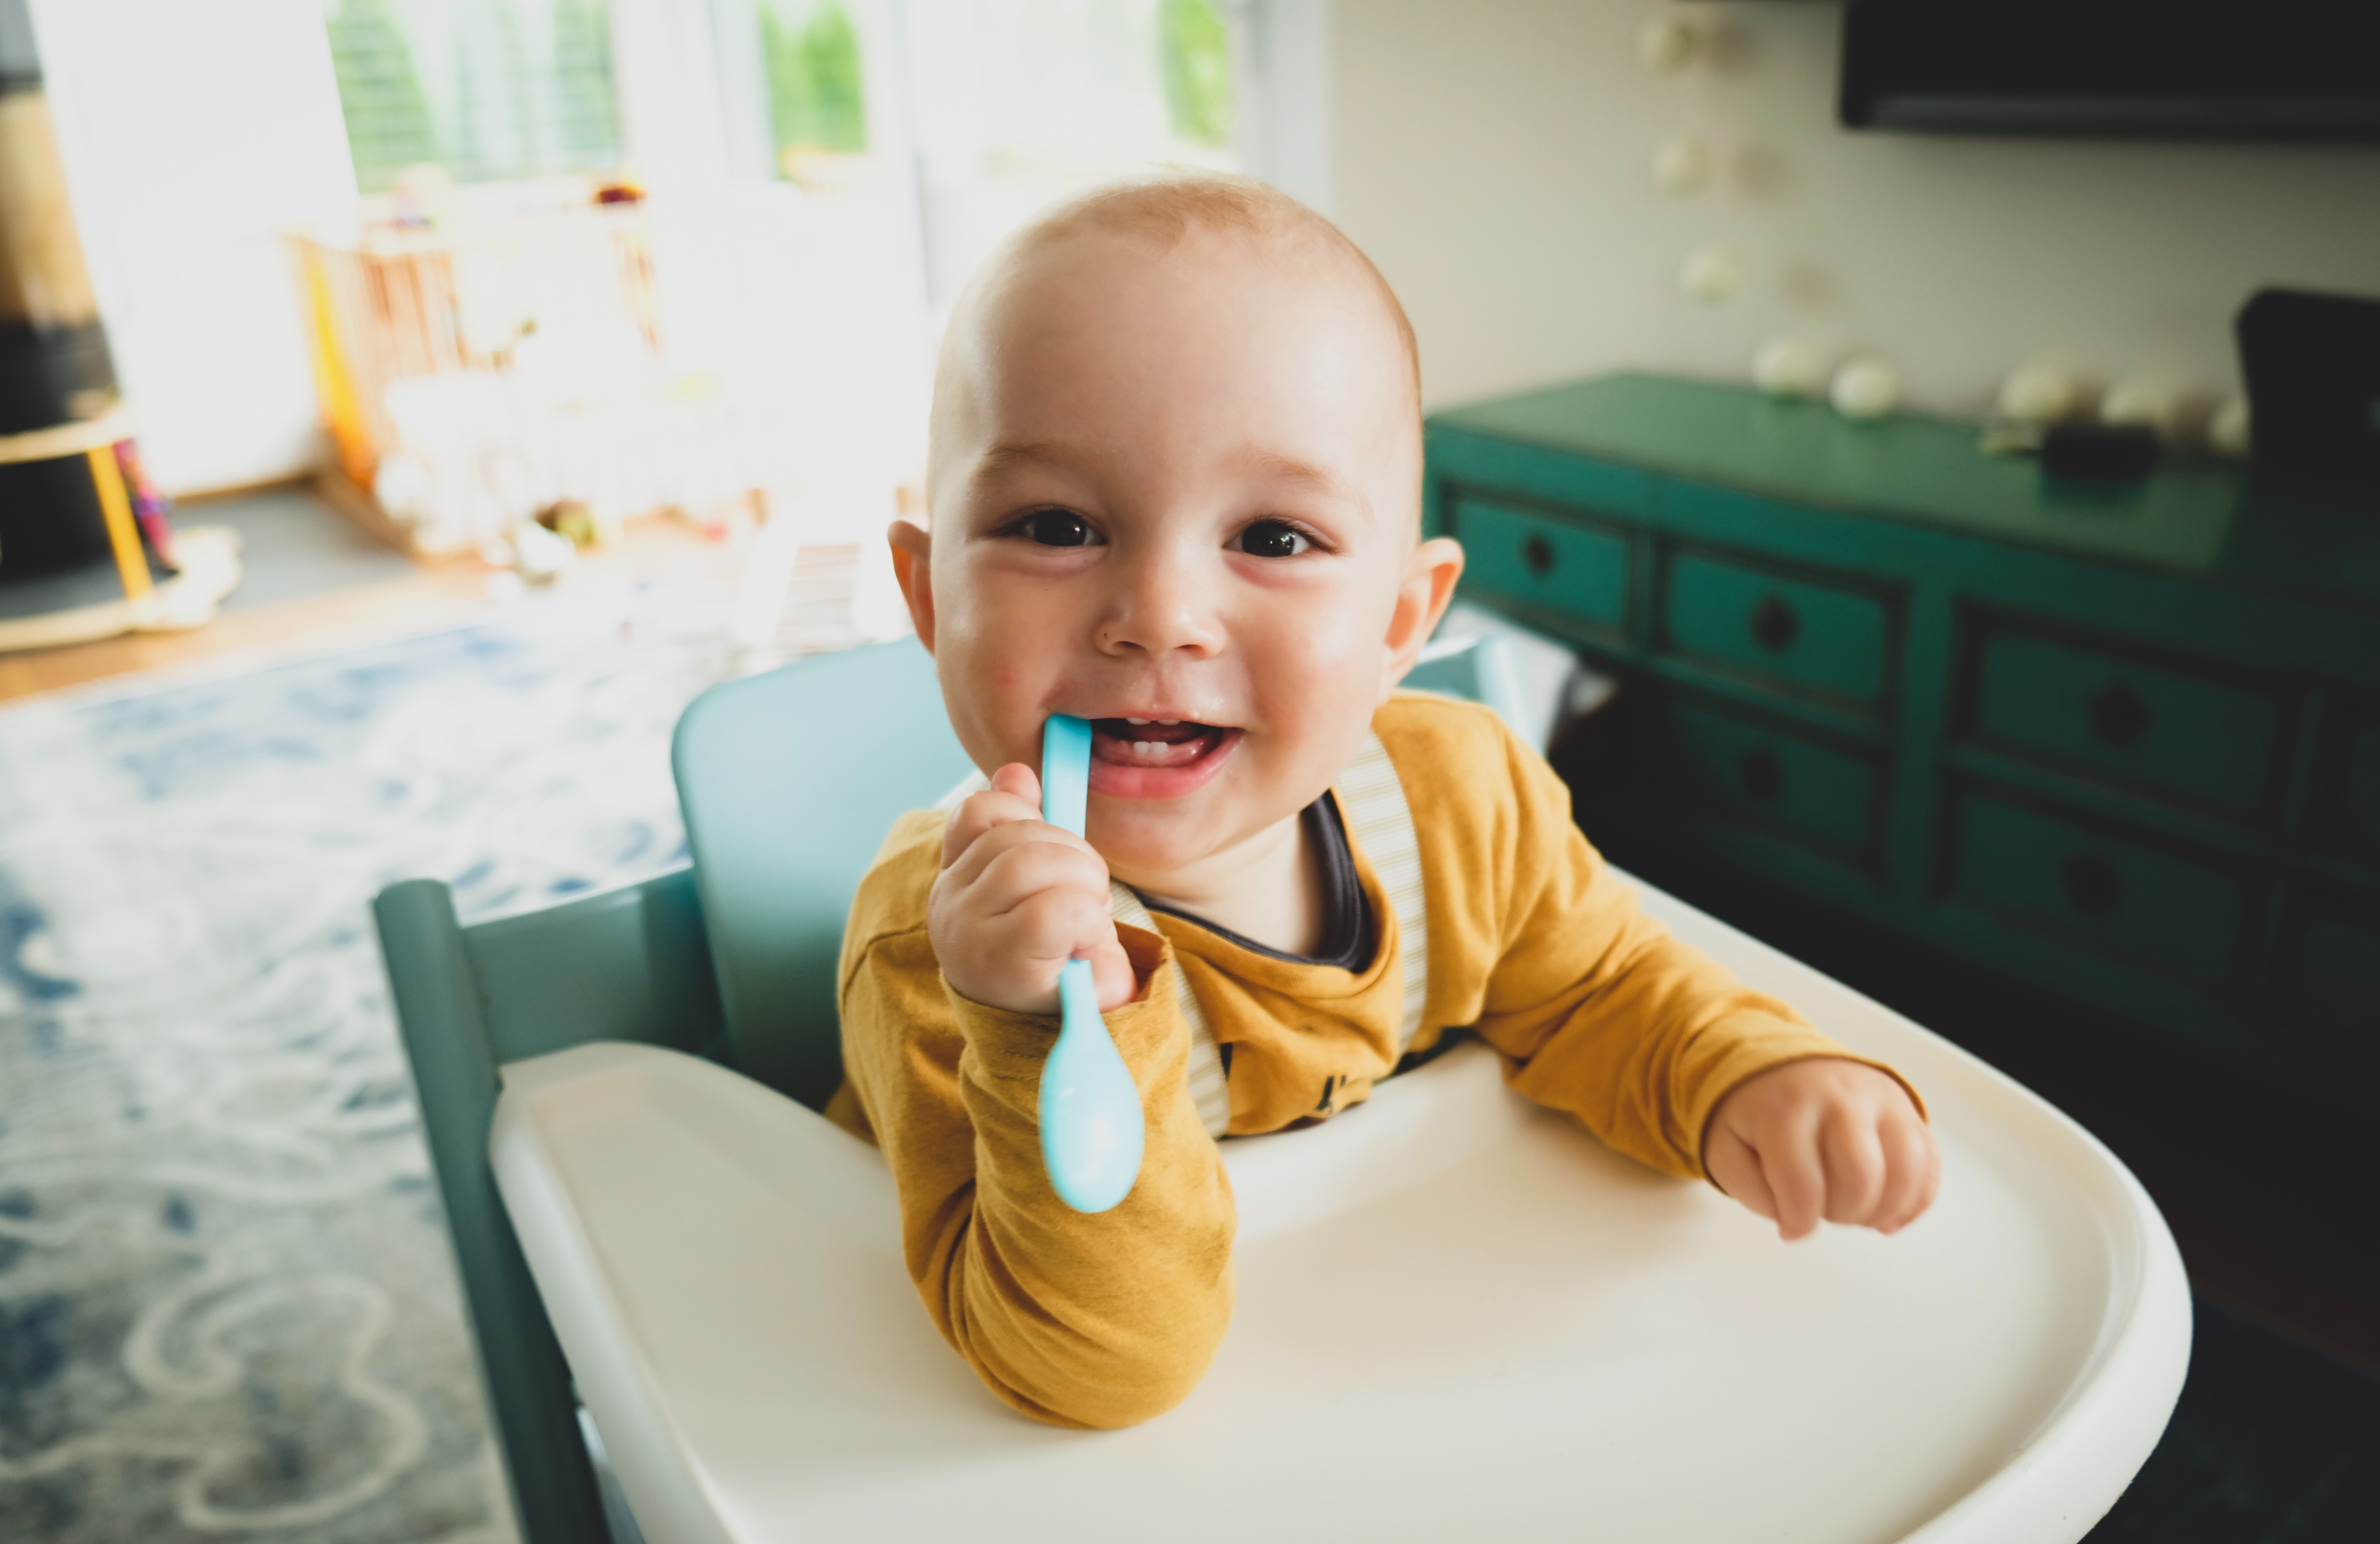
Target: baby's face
x=1176 y=495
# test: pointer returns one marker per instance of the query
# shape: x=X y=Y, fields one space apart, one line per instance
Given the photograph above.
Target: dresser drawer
x=1523 y=554
x=2182 y=917
x=2357 y=817
x=2165 y=730
x=1817 y=636
x=2328 y=974
x=1751 y=770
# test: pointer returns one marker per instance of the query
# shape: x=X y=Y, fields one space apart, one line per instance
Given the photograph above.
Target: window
x=825 y=175
x=489 y=89
x=1018 y=102
x=810 y=51
x=1197 y=55
x=1099 y=85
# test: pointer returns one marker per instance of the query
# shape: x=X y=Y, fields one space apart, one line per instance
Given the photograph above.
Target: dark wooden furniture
x=2121 y=743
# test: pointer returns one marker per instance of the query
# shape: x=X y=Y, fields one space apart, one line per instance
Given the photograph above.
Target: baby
x=1174 y=488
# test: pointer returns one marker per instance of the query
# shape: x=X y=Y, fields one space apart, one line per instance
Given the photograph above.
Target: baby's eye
x=1057 y=527
x=1274 y=539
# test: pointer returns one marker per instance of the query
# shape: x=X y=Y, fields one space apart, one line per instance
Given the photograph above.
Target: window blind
x=487 y=89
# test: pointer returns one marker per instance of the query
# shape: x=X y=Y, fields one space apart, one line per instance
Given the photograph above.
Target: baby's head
x=1175 y=475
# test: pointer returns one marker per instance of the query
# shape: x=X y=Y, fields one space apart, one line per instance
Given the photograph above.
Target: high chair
x=1457 y=1316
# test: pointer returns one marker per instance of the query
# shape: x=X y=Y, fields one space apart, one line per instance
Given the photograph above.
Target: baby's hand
x=1016 y=899
x=1824 y=1137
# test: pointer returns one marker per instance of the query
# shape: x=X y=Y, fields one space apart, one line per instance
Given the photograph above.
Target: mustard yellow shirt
x=1105 y=1320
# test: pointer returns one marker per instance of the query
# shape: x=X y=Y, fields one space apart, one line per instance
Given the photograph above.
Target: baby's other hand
x=1016 y=899
x=1824 y=1137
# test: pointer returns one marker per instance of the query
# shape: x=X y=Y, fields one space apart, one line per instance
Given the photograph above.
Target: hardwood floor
x=356 y=604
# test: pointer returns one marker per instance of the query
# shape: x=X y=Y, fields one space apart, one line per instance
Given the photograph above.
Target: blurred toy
x=424 y=195
x=571 y=518
x=2173 y=413
x=151 y=508
x=2042 y=394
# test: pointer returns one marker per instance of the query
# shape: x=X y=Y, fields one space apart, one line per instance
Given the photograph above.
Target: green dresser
x=2121 y=743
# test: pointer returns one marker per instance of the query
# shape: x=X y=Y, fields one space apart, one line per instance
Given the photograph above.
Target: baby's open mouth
x=1133 y=742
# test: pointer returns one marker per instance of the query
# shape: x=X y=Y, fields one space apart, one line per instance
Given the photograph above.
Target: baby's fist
x=1016 y=899
x=1827 y=1139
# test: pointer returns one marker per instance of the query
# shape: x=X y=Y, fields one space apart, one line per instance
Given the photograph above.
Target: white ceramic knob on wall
x=1713 y=276
x=1790 y=367
x=1683 y=167
x=1669 y=41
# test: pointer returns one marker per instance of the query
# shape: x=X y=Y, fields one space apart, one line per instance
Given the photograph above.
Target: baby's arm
x=1660 y=1051
x=1080 y=1320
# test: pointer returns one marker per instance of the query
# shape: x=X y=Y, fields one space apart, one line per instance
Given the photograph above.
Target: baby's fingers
x=1916 y=1165
x=1052 y=926
x=1855 y=1166
x=1797 y=1179
x=1023 y=862
x=1014 y=794
x=1735 y=1169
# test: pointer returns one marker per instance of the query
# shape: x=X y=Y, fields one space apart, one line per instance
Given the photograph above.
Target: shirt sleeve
x=1599 y=1013
x=1099 y=1321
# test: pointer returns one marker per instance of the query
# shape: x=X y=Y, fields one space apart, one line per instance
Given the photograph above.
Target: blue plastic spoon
x=1091 y=1126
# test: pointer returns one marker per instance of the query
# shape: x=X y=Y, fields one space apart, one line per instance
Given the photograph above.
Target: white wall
x=193 y=133
x=1492 y=156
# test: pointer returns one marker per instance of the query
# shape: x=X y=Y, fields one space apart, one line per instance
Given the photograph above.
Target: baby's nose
x=1161 y=605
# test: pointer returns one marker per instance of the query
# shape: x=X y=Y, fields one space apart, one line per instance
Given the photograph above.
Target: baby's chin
x=1142 y=852
x=1145 y=844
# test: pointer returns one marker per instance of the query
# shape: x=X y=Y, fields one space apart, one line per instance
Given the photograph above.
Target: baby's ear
x=1422 y=597
x=913 y=549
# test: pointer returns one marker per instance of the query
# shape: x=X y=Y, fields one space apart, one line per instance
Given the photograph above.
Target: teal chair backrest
x=789 y=782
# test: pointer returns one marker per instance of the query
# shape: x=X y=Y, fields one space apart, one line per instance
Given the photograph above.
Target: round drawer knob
x=1774 y=626
x=1763 y=773
x=2119 y=716
x=2093 y=884
x=1538 y=553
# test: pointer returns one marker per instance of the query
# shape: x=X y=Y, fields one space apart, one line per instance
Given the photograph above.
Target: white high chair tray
x=1457 y=1316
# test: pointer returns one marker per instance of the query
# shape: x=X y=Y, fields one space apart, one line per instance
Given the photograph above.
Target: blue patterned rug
x=227 y=1307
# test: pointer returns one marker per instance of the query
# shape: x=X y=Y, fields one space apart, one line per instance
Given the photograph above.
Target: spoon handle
x=1092 y=1130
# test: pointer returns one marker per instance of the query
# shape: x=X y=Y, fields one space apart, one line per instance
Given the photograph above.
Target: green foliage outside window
x=496 y=134
x=1197 y=57
x=815 y=96
x=488 y=88
x=586 y=117
x=388 y=117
